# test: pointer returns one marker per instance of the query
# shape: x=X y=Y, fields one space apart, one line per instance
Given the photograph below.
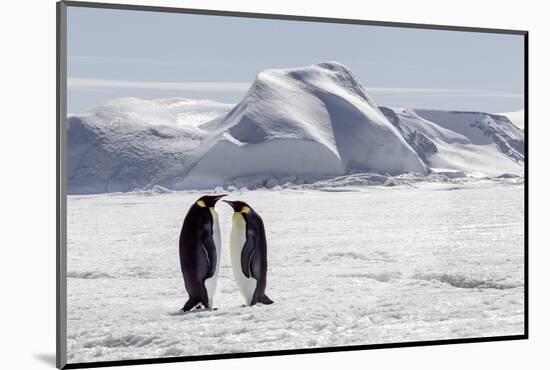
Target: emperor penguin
x=199 y=250
x=248 y=251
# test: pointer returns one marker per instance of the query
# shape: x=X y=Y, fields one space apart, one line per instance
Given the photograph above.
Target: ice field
x=348 y=265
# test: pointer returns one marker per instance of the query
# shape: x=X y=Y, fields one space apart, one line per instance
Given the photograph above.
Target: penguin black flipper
x=210 y=249
x=248 y=253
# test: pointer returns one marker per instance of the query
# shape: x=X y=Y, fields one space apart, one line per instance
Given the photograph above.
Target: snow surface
x=348 y=264
x=304 y=123
x=517 y=117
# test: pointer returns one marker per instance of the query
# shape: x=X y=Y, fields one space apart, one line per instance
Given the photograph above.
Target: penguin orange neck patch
x=245 y=209
x=201 y=203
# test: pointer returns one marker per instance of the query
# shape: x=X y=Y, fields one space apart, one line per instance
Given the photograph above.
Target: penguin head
x=238 y=206
x=208 y=201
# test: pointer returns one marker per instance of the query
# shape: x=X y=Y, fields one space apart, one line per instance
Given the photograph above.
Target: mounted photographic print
x=236 y=184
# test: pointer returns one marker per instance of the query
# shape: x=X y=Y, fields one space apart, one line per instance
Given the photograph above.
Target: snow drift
x=315 y=121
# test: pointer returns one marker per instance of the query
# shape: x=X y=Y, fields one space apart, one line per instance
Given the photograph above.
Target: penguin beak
x=218 y=197
x=232 y=204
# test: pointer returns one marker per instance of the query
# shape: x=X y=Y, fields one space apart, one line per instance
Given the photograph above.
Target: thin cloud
x=94 y=83
x=88 y=84
x=120 y=61
x=383 y=63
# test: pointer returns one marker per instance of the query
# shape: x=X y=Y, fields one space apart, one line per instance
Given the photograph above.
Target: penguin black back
x=199 y=246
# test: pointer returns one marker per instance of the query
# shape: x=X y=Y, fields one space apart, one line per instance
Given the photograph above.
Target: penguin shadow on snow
x=199 y=252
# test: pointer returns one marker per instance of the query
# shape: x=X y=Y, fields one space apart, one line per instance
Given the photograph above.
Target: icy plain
x=348 y=265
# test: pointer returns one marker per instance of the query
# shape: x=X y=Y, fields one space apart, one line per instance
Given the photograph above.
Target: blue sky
x=119 y=53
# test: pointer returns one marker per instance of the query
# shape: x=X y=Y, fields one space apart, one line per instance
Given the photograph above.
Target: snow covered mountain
x=308 y=122
x=315 y=120
x=130 y=143
x=472 y=142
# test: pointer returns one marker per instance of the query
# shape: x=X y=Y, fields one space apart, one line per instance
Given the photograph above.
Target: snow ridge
x=309 y=122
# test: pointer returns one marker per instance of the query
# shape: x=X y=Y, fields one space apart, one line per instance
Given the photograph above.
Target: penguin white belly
x=247 y=286
x=211 y=283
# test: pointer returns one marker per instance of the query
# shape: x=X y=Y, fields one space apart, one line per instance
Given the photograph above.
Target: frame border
x=61 y=184
x=288 y=17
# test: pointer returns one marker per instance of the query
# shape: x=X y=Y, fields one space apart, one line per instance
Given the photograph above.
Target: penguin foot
x=265 y=300
x=189 y=305
x=192 y=305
